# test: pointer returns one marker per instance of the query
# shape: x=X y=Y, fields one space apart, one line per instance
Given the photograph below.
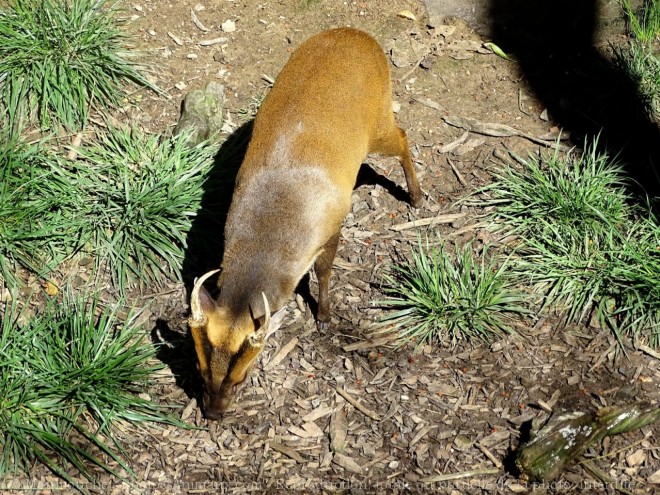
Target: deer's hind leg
x=395 y=143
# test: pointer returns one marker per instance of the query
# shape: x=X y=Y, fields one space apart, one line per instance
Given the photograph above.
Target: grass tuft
x=141 y=196
x=59 y=60
x=642 y=67
x=645 y=26
x=639 y=60
x=438 y=297
x=67 y=376
x=38 y=201
x=555 y=195
x=582 y=245
x=128 y=200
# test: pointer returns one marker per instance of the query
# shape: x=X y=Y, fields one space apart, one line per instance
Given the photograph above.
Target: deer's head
x=226 y=344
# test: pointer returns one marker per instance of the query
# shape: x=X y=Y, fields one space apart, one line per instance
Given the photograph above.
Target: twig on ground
x=496 y=462
x=197 y=22
x=439 y=219
x=646 y=349
x=351 y=400
x=459 y=176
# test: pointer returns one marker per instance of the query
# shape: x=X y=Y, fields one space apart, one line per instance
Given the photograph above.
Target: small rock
x=228 y=26
x=151 y=32
x=459 y=223
x=404 y=51
x=427 y=62
x=192 y=56
x=396 y=106
x=138 y=8
x=393 y=465
x=399 y=58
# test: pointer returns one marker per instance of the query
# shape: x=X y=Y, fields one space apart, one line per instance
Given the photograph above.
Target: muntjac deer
x=329 y=107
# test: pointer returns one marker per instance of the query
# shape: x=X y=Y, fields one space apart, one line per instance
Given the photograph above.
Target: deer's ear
x=275 y=322
x=267 y=324
x=206 y=302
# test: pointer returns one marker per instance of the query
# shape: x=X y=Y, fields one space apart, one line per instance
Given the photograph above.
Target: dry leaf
x=347 y=463
x=50 y=288
x=338 y=431
x=406 y=14
x=655 y=478
x=636 y=458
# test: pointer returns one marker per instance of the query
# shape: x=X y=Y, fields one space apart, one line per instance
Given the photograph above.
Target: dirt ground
x=445 y=410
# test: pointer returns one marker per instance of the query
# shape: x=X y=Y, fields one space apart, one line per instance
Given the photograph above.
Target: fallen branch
x=440 y=219
x=566 y=436
x=499 y=130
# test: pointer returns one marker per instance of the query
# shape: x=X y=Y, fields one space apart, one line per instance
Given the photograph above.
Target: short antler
x=197 y=317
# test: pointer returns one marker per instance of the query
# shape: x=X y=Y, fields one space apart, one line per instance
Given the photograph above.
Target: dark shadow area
x=206 y=237
x=509 y=460
x=368 y=176
x=178 y=353
x=304 y=289
x=585 y=93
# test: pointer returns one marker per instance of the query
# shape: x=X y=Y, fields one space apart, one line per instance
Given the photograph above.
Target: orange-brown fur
x=329 y=107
